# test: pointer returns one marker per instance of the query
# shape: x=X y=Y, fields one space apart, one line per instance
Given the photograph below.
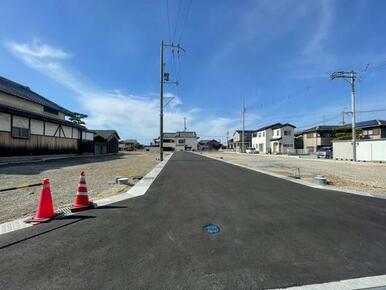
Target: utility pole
x=184 y=124
x=161 y=108
x=243 y=132
x=227 y=139
x=351 y=76
x=164 y=79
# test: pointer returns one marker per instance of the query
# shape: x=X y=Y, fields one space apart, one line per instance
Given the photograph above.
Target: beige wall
x=5 y=122
x=22 y=104
x=37 y=127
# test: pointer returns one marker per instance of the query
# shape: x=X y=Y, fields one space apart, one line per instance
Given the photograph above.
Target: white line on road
x=357 y=283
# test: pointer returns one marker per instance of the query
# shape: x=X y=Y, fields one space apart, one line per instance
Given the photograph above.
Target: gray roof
x=128 y=141
x=324 y=128
x=105 y=134
x=371 y=123
x=15 y=89
x=267 y=127
x=186 y=134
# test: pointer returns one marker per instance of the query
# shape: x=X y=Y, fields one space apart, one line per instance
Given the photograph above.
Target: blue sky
x=102 y=58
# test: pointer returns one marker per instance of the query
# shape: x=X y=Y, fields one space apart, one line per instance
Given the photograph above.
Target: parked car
x=324 y=152
x=251 y=151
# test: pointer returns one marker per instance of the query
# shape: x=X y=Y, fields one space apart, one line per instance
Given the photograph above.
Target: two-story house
x=236 y=142
x=261 y=138
x=283 y=139
x=316 y=137
x=179 y=141
x=373 y=129
x=275 y=138
x=31 y=124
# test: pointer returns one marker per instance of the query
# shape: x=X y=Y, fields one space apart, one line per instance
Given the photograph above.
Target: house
x=283 y=139
x=128 y=145
x=316 y=137
x=106 y=141
x=179 y=141
x=236 y=143
x=261 y=138
x=30 y=124
x=373 y=129
x=275 y=138
x=209 y=145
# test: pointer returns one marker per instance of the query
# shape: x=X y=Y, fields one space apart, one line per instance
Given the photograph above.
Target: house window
x=181 y=141
x=50 y=110
x=259 y=135
x=287 y=133
x=310 y=135
x=277 y=132
x=22 y=133
x=263 y=133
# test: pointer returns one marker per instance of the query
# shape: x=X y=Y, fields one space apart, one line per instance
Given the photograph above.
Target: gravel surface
x=363 y=177
x=64 y=177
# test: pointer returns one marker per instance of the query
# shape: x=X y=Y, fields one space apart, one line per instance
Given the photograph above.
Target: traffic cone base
x=45 y=210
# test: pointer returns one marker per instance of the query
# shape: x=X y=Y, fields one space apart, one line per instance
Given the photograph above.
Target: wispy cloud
x=37 y=49
x=132 y=115
x=324 y=24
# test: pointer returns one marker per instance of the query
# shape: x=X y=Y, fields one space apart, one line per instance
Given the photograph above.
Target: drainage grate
x=212 y=229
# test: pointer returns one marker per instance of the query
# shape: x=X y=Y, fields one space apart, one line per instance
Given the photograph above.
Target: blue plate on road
x=212 y=229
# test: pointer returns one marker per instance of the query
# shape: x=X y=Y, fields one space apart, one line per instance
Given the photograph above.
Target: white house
x=276 y=139
x=179 y=141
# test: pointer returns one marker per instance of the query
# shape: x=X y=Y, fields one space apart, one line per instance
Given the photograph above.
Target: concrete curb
x=302 y=182
x=138 y=189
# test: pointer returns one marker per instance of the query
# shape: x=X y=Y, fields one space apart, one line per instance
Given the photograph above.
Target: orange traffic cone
x=45 y=210
x=81 y=199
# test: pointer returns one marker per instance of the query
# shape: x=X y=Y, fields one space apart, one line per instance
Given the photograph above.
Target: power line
x=177 y=20
x=167 y=14
x=185 y=20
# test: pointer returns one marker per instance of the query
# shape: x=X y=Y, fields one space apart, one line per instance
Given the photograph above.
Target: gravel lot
x=363 y=177
x=64 y=177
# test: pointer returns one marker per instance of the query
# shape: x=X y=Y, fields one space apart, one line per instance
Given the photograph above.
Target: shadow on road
x=38 y=167
x=75 y=219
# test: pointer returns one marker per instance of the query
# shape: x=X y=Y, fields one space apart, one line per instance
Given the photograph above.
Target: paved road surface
x=273 y=234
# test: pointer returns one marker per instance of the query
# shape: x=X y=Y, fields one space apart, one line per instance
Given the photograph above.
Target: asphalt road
x=274 y=233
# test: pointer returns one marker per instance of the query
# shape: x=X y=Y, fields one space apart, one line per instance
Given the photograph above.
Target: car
x=251 y=151
x=324 y=152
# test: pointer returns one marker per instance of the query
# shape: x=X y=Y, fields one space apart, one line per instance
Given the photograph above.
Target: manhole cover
x=212 y=229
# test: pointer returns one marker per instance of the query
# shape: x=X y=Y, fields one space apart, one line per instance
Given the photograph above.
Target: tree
x=76 y=118
x=345 y=133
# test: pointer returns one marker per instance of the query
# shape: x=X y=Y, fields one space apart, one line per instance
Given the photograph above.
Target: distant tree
x=345 y=133
x=139 y=146
x=76 y=118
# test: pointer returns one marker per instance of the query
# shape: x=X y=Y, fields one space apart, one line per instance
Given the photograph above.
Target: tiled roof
x=267 y=127
x=186 y=134
x=370 y=123
x=12 y=88
x=105 y=134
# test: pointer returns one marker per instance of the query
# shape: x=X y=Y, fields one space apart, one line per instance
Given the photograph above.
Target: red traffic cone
x=45 y=210
x=81 y=199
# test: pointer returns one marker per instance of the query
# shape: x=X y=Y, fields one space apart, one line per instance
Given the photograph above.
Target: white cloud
x=36 y=49
x=131 y=115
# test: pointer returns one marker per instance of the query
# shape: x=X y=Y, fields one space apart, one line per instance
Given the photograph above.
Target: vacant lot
x=64 y=177
x=364 y=177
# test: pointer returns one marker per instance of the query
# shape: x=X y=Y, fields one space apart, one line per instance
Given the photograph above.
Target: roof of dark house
x=105 y=134
x=370 y=123
x=15 y=89
x=267 y=127
x=245 y=131
x=203 y=142
x=27 y=114
x=186 y=134
x=129 y=141
x=324 y=128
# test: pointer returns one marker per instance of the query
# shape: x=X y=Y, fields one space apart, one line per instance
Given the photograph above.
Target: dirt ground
x=64 y=177
x=363 y=177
